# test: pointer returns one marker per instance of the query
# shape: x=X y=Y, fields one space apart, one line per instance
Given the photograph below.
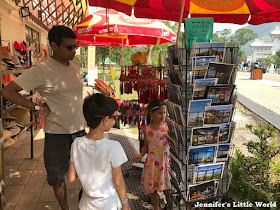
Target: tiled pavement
x=25 y=178
x=26 y=187
x=261 y=96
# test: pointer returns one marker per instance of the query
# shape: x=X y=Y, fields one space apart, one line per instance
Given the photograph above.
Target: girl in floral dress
x=155 y=176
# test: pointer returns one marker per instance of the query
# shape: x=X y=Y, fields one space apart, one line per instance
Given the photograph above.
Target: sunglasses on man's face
x=71 y=47
x=110 y=116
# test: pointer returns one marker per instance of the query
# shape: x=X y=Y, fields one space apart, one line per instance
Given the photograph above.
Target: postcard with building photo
x=220 y=94
x=208 y=172
x=217 y=114
x=210 y=49
x=196 y=112
x=224 y=132
x=222 y=152
x=171 y=128
x=179 y=115
x=200 y=87
x=222 y=71
x=171 y=110
x=201 y=155
x=202 y=191
x=205 y=135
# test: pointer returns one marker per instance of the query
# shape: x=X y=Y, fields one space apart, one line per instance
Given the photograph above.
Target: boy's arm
x=120 y=186
x=71 y=174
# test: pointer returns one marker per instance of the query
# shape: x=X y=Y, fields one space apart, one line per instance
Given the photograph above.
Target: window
x=32 y=38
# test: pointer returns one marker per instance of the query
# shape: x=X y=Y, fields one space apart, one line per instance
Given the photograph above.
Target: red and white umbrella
x=121 y=28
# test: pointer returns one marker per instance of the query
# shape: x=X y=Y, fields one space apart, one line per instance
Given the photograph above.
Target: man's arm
x=11 y=93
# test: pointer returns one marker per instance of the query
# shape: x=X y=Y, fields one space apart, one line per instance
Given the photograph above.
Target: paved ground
x=25 y=178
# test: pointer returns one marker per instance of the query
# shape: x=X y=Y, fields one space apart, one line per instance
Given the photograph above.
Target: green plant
x=251 y=175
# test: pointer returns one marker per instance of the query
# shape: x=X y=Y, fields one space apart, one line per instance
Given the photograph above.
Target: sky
x=217 y=26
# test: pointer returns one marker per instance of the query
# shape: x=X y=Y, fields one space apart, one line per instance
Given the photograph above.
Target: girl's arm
x=137 y=158
x=120 y=186
x=71 y=174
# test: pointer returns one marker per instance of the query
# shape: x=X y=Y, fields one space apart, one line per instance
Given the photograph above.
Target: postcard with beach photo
x=208 y=172
x=224 y=133
x=222 y=71
x=220 y=94
x=200 y=86
x=205 y=135
x=202 y=191
x=196 y=112
x=201 y=155
x=210 y=49
x=217 y=114
x=222 y=152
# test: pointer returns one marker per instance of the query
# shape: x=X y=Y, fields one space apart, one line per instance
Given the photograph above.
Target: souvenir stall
x=147 y=81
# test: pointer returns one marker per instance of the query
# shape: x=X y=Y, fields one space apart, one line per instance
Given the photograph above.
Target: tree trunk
x=149 y=54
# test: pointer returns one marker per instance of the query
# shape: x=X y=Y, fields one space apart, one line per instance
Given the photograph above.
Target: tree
x=222 y=36
x=101 y=54
x=242 y=36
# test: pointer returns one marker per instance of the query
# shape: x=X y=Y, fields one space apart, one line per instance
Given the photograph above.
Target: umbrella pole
x=122 y=54
x=180 y=21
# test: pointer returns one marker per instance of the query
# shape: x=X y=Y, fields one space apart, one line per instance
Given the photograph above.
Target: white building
x=261 y=49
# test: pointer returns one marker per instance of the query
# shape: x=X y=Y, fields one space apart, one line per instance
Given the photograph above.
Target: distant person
x=58 y=81
x=155 y=176
x=97 y=160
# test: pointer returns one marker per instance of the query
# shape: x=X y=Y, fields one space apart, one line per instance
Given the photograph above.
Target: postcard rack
x=202 y=178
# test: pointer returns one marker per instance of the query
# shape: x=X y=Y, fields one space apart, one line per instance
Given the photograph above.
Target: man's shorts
x=57 y=155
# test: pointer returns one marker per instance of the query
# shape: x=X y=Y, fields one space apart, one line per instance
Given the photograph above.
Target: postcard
x=179 y=115
x=222 y=152
x=220 y=94
x=222 y=71
x=201 y=62
x=179 y=134
x=202 y=191
x=196 y=112
x=200 y=86
x=217 y=114
x=171 y=128
x=176 y=167
x=172 y=145
x=210 y=49
x=224 y=132
x=170 y=110
x=205 y=135
x=201 y=155
x=209 y=172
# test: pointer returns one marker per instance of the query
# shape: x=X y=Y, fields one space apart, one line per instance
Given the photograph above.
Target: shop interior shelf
x=14 y=71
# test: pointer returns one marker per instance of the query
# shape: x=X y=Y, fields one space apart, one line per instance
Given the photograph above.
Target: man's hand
x=44 y=110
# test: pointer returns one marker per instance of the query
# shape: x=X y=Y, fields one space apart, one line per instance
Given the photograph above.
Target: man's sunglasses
x=71 y=47
x=110 y=116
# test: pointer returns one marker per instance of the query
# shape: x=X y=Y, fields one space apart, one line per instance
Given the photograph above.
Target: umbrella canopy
x=254 y=12
x=122 y=29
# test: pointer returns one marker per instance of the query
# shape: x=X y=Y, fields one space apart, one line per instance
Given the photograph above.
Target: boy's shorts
x=57 y=155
